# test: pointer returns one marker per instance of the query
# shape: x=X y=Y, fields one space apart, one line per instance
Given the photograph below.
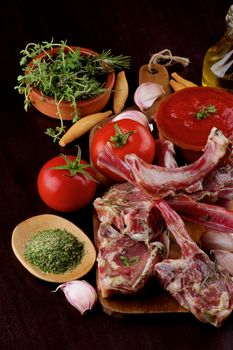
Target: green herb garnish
x=65 y=76
x=205 y=111
x=129 y=261
x=54 y=251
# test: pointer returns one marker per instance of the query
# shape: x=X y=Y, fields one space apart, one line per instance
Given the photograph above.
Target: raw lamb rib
x=196 y=282
x=211 y=216
x=165 y=154
x=160 y=182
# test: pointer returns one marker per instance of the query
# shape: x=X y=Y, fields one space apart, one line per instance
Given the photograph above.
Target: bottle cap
x=229 y=17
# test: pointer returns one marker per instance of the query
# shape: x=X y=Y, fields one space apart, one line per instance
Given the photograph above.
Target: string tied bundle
x=167 y=58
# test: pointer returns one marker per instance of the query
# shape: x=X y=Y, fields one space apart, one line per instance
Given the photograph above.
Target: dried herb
x=54 y=251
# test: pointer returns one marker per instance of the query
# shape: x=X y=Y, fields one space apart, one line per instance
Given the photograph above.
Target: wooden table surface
x=31 y=317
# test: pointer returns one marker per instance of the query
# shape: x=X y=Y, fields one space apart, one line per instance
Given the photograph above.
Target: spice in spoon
x=54 y=251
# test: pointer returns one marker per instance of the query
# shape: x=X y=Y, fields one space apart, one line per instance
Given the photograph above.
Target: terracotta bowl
x=47 y=105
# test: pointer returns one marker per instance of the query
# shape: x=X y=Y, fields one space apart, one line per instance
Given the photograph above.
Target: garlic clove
x=225 y=259
x=79 y=294
x=137 y=116
x=146 y=94
x=217 y=240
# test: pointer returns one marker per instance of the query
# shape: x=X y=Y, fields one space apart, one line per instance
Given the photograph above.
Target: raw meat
x=129 y=210
x=220 y=180
x=197 y=283
x=211 y=216
x=132 y=237
x=165 y=154
x=124 y=265
x=159 y=181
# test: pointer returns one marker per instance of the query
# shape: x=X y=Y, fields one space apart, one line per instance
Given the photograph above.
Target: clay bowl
x=47 y=105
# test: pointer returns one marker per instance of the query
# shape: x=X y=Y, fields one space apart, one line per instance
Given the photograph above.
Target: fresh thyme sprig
x=59 y=130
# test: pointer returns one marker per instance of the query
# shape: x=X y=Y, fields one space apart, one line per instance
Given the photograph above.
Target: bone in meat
x=159 y=181
x=211 y=216
x=195 y=281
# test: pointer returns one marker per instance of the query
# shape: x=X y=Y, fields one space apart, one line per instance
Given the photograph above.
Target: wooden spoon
x=24 y=231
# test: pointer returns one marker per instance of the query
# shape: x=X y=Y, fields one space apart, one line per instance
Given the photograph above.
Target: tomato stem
x=120 y=139
x=74 y=166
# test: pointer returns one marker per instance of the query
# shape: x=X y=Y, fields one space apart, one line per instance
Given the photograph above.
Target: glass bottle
x=218 y=60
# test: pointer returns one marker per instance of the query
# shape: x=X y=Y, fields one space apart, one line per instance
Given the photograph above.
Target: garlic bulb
x=80 y=294
x=146 y=94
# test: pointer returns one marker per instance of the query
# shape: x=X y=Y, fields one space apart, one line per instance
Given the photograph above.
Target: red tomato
x=176 y=118
x=140 y=142
x=63 y=192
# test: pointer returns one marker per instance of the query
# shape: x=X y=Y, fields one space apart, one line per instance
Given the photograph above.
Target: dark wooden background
x=31 y=317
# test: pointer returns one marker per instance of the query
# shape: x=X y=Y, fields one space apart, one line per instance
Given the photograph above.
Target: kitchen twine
x=166 y=55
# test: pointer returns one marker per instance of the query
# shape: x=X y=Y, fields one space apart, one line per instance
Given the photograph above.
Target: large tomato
x=65 y=183
x=126 y=136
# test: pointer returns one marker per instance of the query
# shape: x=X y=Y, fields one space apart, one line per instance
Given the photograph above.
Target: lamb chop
x=124 y=265
x=130 y=211
x=131 y=239
x=196 y=282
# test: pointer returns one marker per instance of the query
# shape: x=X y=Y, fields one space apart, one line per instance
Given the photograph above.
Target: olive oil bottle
x=218 y=60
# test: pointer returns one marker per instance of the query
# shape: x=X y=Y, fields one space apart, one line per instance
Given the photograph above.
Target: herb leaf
x=129 y=261
x=205 y=111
